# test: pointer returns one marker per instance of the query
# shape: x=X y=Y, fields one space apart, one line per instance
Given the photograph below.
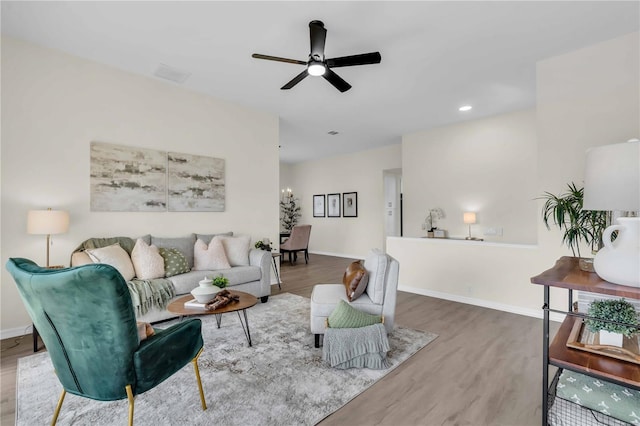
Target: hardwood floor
x=483 y=369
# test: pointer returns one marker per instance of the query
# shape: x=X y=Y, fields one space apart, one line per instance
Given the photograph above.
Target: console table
x=566 y=274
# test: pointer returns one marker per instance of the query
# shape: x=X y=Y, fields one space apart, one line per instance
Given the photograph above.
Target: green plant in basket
x=613 y=310
x=220 y=281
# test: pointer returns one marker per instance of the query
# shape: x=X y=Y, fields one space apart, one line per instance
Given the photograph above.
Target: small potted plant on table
x=620 y=311
x=220 y=281
x=263 y=244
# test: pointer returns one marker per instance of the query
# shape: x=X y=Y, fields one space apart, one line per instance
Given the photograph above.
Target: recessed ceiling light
x=465 y=108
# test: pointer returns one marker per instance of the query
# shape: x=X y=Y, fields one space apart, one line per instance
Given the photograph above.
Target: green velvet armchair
x=87 y=322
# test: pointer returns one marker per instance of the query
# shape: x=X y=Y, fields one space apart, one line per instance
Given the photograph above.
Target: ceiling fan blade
x=275 y=58
x=347 y=61
x=336 y=80
x=318 y=35
x=297 y=79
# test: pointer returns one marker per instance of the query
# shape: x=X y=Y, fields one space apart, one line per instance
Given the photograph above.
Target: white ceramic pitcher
x=619 y=261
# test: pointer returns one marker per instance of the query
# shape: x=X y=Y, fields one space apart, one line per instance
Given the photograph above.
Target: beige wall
x=486 y=166
x=360 y=172
x=54 y=105
x=586 y=98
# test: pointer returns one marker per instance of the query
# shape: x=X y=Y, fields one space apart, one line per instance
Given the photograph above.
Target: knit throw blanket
x=92 y=243
x=145 y=294
x=148 y=294
x=364 y=347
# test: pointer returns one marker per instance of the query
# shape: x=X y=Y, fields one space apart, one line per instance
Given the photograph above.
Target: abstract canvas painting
x=196 y=183
x=127 y=179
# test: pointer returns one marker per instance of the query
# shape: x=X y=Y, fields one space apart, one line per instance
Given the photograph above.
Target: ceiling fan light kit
x=316 y=69
x=318 y=66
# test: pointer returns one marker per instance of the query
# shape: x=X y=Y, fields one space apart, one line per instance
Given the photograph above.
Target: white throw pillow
x=115 y=256
x=147 y=261
x=237 y=249
x=211 y=257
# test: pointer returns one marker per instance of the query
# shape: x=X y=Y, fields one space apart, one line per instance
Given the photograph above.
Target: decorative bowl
x=205 y=293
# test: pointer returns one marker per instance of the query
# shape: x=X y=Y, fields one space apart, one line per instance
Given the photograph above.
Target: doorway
x=392 y=209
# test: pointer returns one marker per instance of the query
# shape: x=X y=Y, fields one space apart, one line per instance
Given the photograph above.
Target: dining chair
x=298 y=241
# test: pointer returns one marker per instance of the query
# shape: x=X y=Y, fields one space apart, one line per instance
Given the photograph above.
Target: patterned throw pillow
x=211 y=257
x=115 y=256
x=147 y=262
x=355 y=280
x=346 y=316
x=174 y=262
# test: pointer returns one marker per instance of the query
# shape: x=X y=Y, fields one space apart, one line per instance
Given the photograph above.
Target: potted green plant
x=220 y=281
x=578 y=225
x=261 y=245
x=619 y=311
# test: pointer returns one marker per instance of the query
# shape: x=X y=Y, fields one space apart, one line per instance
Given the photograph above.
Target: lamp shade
x=469 y=218
x=612 y=177
x=47 y=222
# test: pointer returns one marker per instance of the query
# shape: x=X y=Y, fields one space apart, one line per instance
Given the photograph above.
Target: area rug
x=280 y=380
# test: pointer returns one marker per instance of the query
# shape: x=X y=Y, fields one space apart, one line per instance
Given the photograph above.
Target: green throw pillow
x=174 y=262
x=346 y=316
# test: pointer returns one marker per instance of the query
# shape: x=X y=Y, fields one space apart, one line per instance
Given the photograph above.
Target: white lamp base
x=619 y=261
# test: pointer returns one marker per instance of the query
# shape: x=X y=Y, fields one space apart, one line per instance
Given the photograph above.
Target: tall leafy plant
x=290 y=212
x=565 y=212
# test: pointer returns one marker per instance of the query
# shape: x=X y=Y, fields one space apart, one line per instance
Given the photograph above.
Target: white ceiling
x=436 y=56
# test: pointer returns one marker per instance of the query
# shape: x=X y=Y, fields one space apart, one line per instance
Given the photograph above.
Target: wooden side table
x=567 y=275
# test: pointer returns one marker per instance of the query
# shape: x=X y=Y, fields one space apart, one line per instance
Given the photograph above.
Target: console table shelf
x=608 y=368
x=566 y=274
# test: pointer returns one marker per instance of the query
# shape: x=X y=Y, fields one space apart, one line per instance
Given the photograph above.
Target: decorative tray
x=584 y=339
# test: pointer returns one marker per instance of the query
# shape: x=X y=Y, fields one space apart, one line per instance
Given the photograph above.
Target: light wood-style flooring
x=483 y=369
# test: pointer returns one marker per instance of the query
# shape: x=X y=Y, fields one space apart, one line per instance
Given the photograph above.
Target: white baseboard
x=15 y=332
x=346 y=256
x=535 y=313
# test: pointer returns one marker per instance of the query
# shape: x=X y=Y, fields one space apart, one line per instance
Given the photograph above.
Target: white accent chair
x=379 y=297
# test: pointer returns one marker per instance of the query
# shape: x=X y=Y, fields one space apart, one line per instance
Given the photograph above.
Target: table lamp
x=612 y=182
x=469 y=218
x=47 y=222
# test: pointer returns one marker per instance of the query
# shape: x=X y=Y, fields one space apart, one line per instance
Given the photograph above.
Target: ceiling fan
x=317 y=65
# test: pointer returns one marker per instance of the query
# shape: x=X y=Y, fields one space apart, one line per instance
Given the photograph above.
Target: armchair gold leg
x=130 y=397
x=195 y=367
x=58 y=407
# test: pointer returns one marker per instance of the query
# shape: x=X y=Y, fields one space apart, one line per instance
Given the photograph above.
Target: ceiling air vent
x=170 y=73
x=332 y=132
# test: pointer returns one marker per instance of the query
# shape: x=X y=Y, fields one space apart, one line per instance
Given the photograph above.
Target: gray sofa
x=254 y=278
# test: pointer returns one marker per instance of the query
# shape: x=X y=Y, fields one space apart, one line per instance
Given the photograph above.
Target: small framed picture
x=349 y=204
x=333 y=205
x=318 y=206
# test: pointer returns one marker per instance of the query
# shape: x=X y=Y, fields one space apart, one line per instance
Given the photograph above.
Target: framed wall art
x=318 y=206
x=196 y=183
x=127 y=179
x=349 y=204
x=333 y=205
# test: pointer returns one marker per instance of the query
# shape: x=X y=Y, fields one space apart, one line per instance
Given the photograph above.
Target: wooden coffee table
x=246 y=301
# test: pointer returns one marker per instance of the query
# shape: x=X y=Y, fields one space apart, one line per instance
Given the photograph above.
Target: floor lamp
x=47 y=222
